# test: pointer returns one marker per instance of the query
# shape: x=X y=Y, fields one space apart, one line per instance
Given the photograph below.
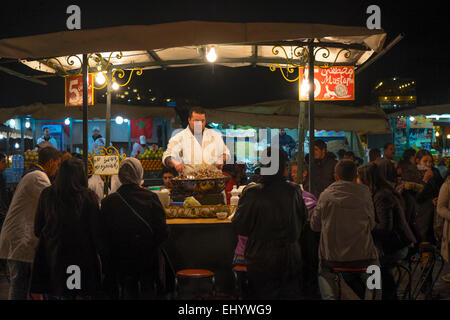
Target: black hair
x=349 y=154
x=423 y=153
x=46 y=154
x=346 y=170
x=370 y=175
x=169 y=170
x=2 y=156
x=341 y=154
x=282 y=162
x=408 y=153
x=198 y=110
x=387 y=145
x=374 y=154
x=43 y=129
x=320 y=144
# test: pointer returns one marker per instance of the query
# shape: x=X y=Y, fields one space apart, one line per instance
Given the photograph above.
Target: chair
x=240 y=281
x=339 y=274
x=196 y=274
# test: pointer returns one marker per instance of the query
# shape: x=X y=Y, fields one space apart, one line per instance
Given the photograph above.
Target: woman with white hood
x=135 y=224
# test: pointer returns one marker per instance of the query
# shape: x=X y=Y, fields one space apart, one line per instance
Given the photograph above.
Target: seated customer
x=345 y=217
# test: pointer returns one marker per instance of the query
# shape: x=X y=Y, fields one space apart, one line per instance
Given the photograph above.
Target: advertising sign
x=74 y=90
x=336 y=83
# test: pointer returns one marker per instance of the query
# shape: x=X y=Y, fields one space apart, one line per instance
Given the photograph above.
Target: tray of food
x=199 y=211
x=201 y=179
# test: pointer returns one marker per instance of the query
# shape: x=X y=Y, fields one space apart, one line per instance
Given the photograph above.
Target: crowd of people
x=292 y=237
x=355 y=215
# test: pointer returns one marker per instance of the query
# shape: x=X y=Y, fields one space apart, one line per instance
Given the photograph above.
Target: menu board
x=106 y=165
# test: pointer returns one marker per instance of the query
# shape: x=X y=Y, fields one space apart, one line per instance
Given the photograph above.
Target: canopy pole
x=311 y=112
x=22 y=135
x=71 y=134
x=85 y=111
x=301 y=142
x=108 y=108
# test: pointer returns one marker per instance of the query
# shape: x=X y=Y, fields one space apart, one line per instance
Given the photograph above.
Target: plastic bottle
x=234 y=200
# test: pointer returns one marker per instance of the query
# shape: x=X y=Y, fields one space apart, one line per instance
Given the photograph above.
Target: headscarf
x=131 y=171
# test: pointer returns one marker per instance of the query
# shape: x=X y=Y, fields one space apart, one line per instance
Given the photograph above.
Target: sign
x=106 y=165
x=74 y=90
x=331 y=84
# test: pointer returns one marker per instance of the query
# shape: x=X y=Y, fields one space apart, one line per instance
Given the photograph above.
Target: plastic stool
x=195 y=274
x=240 y=281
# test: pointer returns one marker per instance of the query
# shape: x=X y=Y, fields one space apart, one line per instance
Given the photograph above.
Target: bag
x=165 y=281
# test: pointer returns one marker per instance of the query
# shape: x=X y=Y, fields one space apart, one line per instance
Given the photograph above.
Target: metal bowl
x=199 y=186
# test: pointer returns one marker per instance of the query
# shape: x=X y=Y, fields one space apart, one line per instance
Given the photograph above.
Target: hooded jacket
x=345 y=217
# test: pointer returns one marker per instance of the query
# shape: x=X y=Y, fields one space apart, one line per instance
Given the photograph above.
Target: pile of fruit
x=151 y=159
x=30 y=157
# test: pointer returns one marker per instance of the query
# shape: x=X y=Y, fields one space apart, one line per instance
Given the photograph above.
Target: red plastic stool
x=195 y=274
x=240 y=281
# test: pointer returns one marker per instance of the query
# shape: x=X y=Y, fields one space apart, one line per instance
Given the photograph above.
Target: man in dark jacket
x=323 y=169
x=272 y=215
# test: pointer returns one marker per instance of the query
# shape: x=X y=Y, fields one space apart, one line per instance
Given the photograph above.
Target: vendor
x=139 y=147
x=168 y=174
x=48 y=138
x=196 y=145
x=96 y=140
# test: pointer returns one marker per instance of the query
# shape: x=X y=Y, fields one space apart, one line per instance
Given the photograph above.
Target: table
x=205 y=243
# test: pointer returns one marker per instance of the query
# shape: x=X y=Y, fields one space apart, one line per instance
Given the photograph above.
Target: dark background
x=422 y=55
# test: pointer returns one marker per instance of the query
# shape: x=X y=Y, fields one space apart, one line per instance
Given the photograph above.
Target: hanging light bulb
x=27 y=124
x=211 y=56
x=119 y=120
x=100 y=78
x=1 y=137
x=17 y=146
x=12 y=123
x=304 y=88
x=125 y=120
x=437 y=133
x=67 y=121
x=115 y=86
x=412 y=118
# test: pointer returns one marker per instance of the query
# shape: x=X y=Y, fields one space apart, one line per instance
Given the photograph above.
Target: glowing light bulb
x=100 y=78
x=115 y=86
x=119 y=120
x=67 y=122
x=17 y=146
x=437 y=133
x=12 y=123
x=27 y=124
x=1 y=137
x=125 y=120
x=304 y=88
x=412 y=118
x=211 y=56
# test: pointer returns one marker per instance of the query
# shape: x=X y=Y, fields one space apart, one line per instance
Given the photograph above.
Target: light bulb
x=100 y=78
x=67 y=122
x=412 y=118
x=115 y=86
x=119 y=120
x=437 y=133
x=304 y=88
x=1 y=137
x=448 y=136
x=17 y=146
x=27 y=124
x=12 y=123
x=125 y=120
x=211 y=56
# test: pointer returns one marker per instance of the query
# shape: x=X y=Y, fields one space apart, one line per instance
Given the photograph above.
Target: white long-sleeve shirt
x=185 y=148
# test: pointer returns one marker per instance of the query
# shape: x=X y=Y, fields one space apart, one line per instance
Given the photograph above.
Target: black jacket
x=322 y=175
x=132 y=246
x=75 y=238
x=272 y=216
x=391 y=232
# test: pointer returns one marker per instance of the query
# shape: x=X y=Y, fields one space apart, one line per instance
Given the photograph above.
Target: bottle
x=234 y=200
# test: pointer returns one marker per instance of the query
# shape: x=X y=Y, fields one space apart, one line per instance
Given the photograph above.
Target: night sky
x=421 y=55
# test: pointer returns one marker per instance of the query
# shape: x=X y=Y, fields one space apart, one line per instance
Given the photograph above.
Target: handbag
x=165 y=281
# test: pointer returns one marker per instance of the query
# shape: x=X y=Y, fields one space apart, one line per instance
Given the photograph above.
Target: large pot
x=189 y=187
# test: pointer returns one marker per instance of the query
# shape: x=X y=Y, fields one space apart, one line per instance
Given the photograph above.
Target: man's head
x=2 y=162
x=95 y=132
x=282 y=132
x=49 y=159
x=168 y=173
x=197 y=119
x=341 y=154
x=345 y=170
x=389 y=151
x=46 y=132
x=320 y=149
x=349 y=155
x=374 y=155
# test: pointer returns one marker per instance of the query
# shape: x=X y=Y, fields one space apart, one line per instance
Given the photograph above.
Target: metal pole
x=301 y=142
x=311 y=112
x=85 y=111
x=129 y=137
x=71 y=135
x=22 y=135
x=108 y=108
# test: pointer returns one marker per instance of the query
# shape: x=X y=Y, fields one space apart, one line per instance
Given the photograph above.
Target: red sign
x=330 y=84
x=74 y=90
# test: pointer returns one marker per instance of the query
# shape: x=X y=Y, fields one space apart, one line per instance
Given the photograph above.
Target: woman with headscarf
x=71 y=237
x=135 y=224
